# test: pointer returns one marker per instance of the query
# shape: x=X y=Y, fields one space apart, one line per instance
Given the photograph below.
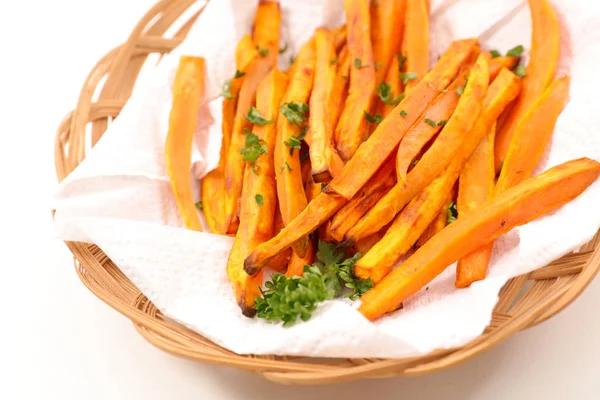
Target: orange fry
x=517 y=206
x=439 y=222
x=352 y=125
x=415 y=44
x=542 y=66
x=496 y=65
x=387 y=27
x=323 y=157
x=188 y=89
x=339 y=92
x=266 y=38
x=259 y=197
x=213 y=184
x=288 y=171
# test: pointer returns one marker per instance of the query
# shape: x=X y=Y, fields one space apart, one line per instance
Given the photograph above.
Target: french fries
x=259 y=196
x=266 y=38
x=323 y=157
x=351 y=130
x=545 y=48
x=188 y=90
x=522 y=203
x=360 y=147
x=213 y=184
x=290 y=189
x=415 y=45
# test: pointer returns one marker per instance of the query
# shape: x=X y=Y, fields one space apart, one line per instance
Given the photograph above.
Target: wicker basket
x=524 y=301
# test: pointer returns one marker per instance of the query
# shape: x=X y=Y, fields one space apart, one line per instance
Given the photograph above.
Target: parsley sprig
x=294 y=111
x=287 y=299
x=384 y=91
x=374 y=119
x=451 y=213
x=254 y=148
x=255 y=117
x=295 y=141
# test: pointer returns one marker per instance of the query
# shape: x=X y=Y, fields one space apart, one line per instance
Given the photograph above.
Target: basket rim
x=558 y=284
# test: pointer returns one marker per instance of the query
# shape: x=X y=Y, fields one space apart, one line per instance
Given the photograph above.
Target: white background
x=58 y=341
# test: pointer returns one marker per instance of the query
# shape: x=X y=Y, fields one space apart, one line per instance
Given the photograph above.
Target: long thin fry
x=266 y=38
x=290 y=190
x=259 y=197
x=476 y=186
x=370 y=194
x=369 y=158
x=213 y=184
x=352 y=125
x=501 y=92
x=415 y=44
x=384 y=141
x=387 y=28
x=323 y=156
x=339 y=92
x=517 y=206
x=279 y=262
x=188 y=89
x=542 y=66
x=533 y=134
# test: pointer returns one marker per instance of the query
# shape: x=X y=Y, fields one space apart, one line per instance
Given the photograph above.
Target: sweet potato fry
x=387 y=27
x=366 y=198
x=408 y=226
x=463 y=119
x=352 y=125
x=500 y=93
x=213 y=184
x=369 y=158
x=384 y=141
x=496 y=65
x=279 y=262
x=288 y=172
x=188 y=90
x=439 y=222
x=415 y=43
x=259 y=196
x=545 y=48
x=339 y=92
x=476 y=186
x=323 y=156
x=523 y=203
x=266 y=37
x=420 y=134
x=363 y=246
x=533 y=134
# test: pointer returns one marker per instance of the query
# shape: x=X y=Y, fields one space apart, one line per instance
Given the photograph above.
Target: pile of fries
x=360 y=156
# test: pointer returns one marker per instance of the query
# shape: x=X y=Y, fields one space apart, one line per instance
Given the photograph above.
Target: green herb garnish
x=430 y=122
x=263 y=52
x=254 y=147
x=403 y=113
x=287 y=299
x=373 y=119
x=520 y=71
x=377 y=65
x=199 y=205
x=408 y=76
x=515 y=51
x=384 y=93
x=259 y=199
x=255 y=117
x=442 y=122
x=295 y=112
x=239 y=74
x=226 y=91
x=401 y=61
x=495 y=53
x=451 y=213
x=295 y=141
x=284 y=48
x=358 y=63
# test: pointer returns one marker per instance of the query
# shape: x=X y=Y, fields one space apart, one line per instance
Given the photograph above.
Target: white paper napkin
x=120 y=197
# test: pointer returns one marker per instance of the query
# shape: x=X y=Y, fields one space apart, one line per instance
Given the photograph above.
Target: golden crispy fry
x=188 y=90
x=415 y=44
x=439 y=222
x=266 y=37
x=339 y=92
x=352 y=125
x=288 y=171
x=323 y=157
x=259 y=197
x=213 y=184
